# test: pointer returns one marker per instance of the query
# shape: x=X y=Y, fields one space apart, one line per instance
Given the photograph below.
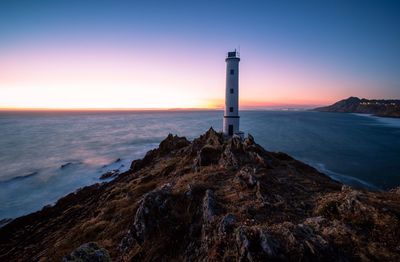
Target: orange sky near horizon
x=76 y=78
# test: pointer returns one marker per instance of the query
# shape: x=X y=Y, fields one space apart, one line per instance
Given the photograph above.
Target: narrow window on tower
x=231 y=90
x=231 y=109
x=232 y=71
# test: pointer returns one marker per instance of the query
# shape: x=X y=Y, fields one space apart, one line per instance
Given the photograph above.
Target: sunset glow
x=54 y=64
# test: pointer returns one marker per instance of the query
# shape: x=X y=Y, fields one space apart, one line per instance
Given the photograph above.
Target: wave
x=386 y=121
x=392 y=122
x=345 y=179
x=70 y=164
x=17 y=178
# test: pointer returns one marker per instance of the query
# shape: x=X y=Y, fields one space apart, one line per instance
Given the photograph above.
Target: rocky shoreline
x=211 y=199
x=376 y=107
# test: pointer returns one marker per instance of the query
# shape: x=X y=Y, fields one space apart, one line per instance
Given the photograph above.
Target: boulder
x=244 y=244
x=172 y=143
x=247 y=175
x=153 y=207
x=227 y=223
x=209 y=155
x=110 y=174
x=210 y=208
x=395 y=190
x=256 y=244
x=213 y=138
x=136 y=165
x=249 y=140
x=268 y=244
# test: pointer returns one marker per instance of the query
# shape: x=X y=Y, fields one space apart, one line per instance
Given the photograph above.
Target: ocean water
x=46 y=155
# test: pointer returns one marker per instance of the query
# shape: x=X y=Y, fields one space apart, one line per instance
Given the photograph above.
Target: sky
x=171 y=54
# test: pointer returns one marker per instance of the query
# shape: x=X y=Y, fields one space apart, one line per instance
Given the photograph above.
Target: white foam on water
x=386 y=121
x=348 y=180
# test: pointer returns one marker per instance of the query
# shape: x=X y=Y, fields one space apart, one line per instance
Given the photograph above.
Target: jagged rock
x=88 y=252
x=227 y=223
x=351 y=202
x=213 y=138
x=250 y=138
x=316 y=222
x=172 y=143
x=109 y=174
x=210 y=138
x=149 y=157
x=395 y=190
x=210 y=207
x=257 y=159
x=301 y=241
x=147 y=160
x=267 y=198
x=195 y=189
x=247 y=174
x=153 y=208
x=259 y=193
x=346 y=188
x=229 y=159
x=249 y=141
x=136 y=165
x=257 y=245
x=314 y=242
x=168 y=169
x=235 y=144
x=269 y=245
x=209 y=155
x=252 y=180
x=243 y=243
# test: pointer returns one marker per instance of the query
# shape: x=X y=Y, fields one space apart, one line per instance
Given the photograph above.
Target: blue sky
x=356 y=43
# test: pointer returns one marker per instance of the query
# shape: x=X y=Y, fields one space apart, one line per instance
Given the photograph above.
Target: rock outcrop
x=88 y=252
x=110 y=174
x=211 y=199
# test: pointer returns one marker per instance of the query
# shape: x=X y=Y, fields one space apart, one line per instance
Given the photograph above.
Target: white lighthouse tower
x=231 y=114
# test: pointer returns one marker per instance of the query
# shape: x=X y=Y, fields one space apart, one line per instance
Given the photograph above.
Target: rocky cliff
x=211 y=199
x=385 y=108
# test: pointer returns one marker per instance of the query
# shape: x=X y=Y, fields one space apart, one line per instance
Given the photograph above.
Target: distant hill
x=384 y=108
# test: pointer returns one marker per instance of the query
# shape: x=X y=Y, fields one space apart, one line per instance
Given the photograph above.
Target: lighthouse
x=231 y=113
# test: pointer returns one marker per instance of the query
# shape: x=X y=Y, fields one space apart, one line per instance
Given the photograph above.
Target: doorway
x=230 y=130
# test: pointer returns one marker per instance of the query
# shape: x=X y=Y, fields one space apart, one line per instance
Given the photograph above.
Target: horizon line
x=156 y=109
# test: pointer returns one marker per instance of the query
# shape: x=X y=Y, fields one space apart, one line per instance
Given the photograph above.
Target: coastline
x=29 y=194
x=388 y=121
x=192 y=197
x=344 y=179
x=389 y=108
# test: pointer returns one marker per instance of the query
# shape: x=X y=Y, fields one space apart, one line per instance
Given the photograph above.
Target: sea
x=46 y=155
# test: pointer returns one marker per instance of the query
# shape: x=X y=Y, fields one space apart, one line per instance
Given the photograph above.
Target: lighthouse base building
x=231 y=112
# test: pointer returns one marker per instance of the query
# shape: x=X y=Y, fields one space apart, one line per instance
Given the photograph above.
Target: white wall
x=231 y=100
